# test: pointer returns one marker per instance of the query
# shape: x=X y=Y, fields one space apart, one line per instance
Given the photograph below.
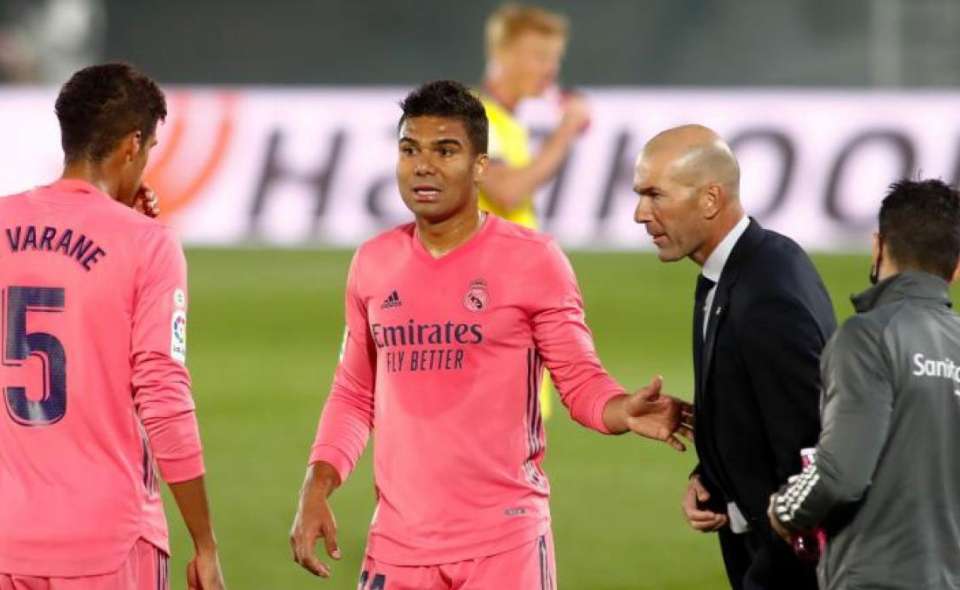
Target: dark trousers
x=756 y=561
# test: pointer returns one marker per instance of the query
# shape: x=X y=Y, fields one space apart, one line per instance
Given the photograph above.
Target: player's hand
x=576 y=113
x=146 y=201
x=660 y=417
x=775 y=523
x=705 y=521
x=204 y=573
x=314 y=521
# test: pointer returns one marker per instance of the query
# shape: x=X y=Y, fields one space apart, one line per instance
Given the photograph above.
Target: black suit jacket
x=757 y=372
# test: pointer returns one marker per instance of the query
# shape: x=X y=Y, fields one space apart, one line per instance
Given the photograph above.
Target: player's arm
x=315 y=520
x=342 y=435
x=161 y=393
x=508 y=186
x=566 y=345
x=203 y=572
x=858 y=402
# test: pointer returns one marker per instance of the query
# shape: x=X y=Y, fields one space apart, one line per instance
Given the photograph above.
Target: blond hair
x=510 y=21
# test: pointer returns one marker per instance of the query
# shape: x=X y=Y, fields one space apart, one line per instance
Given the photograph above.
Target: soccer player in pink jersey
x=95 y=392
x=450 y=323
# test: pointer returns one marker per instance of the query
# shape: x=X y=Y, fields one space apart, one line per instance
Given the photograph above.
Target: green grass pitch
x=264 y=336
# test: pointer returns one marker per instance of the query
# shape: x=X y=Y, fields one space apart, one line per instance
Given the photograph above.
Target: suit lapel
x=744 y=248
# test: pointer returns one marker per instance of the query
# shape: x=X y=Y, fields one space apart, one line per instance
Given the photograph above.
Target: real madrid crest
x=477 y=297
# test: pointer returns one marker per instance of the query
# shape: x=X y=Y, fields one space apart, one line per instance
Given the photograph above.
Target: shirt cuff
x=340 y=461
x=183 y=469
x=596 y=412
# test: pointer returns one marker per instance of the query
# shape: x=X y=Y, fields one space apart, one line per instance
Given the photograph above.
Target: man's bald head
x=688 y=181
x=695 y=156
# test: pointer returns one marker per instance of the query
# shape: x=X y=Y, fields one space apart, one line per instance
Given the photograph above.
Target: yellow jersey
x=509 y=142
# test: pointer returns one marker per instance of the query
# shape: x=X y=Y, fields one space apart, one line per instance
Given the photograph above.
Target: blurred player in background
x=525 y=46
x=96 y=393
x=450 y=321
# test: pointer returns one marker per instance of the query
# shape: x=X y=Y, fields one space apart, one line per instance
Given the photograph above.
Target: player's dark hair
x=101 y=104
x=920 y=226
x=446 y=98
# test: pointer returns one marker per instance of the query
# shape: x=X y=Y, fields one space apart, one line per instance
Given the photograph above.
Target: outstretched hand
x=653 y=414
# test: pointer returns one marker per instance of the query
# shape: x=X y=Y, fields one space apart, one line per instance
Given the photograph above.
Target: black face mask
x=875 y=269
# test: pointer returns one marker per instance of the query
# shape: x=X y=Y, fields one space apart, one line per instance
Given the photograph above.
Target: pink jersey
x=94 y=340
x=442 y=360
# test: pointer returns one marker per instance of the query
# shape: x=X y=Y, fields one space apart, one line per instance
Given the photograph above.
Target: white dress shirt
x=713 y=267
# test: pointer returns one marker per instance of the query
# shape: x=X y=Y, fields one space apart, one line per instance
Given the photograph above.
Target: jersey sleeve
x=347 y=417
x=565 y=343
x=161 y=382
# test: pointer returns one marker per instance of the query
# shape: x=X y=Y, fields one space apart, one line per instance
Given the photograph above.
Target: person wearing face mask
x=885 y=485
x=761 y=318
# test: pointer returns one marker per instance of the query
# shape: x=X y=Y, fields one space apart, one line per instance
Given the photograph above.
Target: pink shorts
x=529 y=567
x=146 y=568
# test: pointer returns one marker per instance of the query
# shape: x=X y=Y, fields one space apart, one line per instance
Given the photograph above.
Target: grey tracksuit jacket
x=886 y=481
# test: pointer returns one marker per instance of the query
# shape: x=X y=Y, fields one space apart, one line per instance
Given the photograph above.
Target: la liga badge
x=178 y=336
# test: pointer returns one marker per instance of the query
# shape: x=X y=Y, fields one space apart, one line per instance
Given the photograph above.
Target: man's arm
x=314 y=519
x=342 y=435
x=781 y=344
x=508 y=186
x=203 y=572
x=856 y=422
x=565 y=343
x=161 y=393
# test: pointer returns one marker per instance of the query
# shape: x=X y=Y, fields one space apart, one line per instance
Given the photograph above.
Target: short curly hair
x=447 y=98
x=101 y=104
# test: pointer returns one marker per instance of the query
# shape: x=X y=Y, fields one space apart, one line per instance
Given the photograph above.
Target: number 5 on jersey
x=18 y=346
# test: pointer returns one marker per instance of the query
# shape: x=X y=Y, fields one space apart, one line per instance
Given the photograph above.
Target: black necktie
x=703 y=289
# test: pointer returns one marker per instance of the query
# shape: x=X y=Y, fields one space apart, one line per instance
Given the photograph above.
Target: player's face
x=437 y=168
x=135 y=158
x=669 y=209
x=532 y=62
